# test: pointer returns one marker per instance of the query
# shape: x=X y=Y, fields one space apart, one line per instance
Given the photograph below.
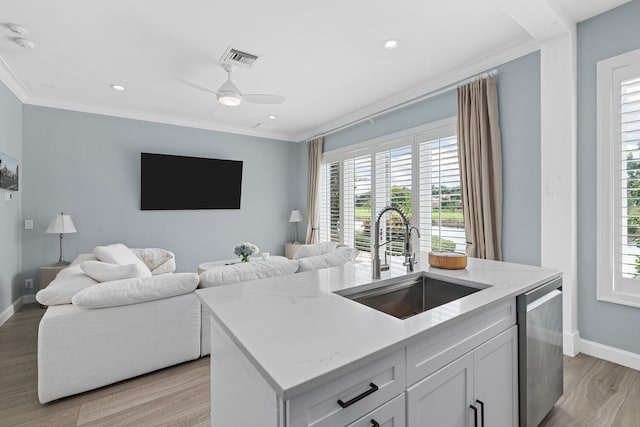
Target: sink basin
x=407 y=297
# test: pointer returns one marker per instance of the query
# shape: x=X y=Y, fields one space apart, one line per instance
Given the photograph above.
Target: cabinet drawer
x=391 y=414
x=320 y=408
x=433 y=351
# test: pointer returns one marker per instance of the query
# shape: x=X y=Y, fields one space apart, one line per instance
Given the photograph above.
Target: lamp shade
x=295 y=216
x=61 y=224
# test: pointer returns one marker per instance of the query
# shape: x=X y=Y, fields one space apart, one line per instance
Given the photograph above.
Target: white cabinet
x=432 y=381
x=485 y=379
x=442 y=398
x=349 y=397
x=495 y=379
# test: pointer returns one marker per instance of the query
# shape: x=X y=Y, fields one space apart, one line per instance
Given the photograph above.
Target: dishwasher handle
x=527 y=298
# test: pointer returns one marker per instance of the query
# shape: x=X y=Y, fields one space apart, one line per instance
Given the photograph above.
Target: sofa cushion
x=314 y=249
x=331 y=259
x=106 y=272
x=66 y=284
x=245 y=271
x=119 y=254
x=159 y=261
x=134 y=291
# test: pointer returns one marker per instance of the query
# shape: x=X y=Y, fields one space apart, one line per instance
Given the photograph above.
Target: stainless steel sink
x=407 y=297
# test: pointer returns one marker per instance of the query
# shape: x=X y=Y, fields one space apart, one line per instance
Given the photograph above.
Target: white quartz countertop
x=300 y=334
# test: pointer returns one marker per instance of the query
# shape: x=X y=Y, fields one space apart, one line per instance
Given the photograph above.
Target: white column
x=559 y=172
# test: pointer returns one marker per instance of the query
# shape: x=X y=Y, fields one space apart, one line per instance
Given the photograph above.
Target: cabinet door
x=496 y=379
x=442 y=399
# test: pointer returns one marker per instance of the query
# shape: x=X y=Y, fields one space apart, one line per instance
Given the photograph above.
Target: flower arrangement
x=245 y=250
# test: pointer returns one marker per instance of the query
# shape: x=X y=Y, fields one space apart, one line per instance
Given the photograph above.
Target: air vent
x=238 y=57
x=263 y=126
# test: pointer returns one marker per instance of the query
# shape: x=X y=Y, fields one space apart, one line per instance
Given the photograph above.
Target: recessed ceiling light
x=272 y=117
x=17 y=29
x=119 y=88
x=390 y=44
x=24 y=43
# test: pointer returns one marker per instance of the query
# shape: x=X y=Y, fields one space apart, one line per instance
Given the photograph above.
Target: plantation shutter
x=629 y=131
x=356 y=204
x=394 y=187
x=329 y=203
x=441 y=220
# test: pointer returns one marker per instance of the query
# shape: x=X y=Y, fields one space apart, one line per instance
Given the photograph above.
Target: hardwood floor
x=176 y=396
x=597 y=393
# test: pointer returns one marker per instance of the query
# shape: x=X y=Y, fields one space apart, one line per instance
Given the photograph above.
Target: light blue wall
x=519 y=104
x=88 y=165
x=10 y=211
x=602 y=37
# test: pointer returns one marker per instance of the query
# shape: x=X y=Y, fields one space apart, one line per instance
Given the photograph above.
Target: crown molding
x=11 y=81
x=443 y=80
x=154 y=118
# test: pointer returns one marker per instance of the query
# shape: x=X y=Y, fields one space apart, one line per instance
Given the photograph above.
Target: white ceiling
x=325 y=57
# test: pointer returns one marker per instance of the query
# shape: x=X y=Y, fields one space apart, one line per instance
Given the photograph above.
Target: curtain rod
x=424 y=97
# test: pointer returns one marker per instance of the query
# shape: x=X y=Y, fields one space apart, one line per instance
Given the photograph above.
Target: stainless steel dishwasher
x=540 y=366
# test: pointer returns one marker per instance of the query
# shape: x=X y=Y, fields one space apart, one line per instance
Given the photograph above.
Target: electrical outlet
x=28 y=224
x=28 y=284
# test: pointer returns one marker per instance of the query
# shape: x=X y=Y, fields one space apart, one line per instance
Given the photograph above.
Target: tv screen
x=179 y=182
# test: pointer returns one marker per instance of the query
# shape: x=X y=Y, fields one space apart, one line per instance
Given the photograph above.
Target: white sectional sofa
x=94 y=334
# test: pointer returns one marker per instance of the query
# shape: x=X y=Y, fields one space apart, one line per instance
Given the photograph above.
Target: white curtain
x=480 y=157
x=313 y=184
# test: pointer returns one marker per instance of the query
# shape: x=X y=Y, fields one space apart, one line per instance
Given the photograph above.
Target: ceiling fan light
x=229 y=99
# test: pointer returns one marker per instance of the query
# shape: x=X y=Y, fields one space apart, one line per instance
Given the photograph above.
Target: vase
x=245 y=258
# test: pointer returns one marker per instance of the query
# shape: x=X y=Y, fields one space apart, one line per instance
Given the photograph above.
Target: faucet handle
x=384 y=267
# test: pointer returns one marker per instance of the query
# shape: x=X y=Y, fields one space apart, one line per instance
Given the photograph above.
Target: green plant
x=439 y=244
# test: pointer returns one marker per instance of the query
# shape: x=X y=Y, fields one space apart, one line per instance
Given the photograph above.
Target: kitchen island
x=292 y=351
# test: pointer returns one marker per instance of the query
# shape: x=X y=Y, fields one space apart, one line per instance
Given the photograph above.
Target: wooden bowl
x=448 y=260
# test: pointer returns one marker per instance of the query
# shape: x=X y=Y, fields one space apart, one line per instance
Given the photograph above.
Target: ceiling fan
x=228 y=94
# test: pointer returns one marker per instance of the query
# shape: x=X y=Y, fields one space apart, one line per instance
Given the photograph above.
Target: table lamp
x=61 y=224
x=295 y=217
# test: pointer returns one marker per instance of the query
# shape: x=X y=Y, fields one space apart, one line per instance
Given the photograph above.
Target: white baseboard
x=8 y=312
x=570 y=341
x=17 y=304
x=610 y=354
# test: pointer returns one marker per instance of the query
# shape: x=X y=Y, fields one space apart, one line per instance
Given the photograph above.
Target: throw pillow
x=121 y=255
x=246 y=271
x=315 y=249
x=106 y=272
x=135 y=291
x=332 y=259
x=66 y=284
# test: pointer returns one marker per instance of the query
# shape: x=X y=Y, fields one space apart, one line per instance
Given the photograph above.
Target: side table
x=291 y=248
x=46 y=274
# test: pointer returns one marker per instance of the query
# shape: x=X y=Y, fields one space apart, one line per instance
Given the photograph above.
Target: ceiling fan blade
x=196 y=86
x=215 y=108
x=257 y=98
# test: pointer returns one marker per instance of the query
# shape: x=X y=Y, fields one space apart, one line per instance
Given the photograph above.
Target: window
x=416 y=171
x=619 y=179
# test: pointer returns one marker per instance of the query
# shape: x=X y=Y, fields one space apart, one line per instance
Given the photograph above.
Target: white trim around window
x=618 y=142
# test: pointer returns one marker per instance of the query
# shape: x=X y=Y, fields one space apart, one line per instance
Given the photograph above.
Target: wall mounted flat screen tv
x=180 y=182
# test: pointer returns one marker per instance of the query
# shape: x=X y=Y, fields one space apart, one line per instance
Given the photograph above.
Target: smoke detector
x=24 y=43
x=237 y=57
x=17 y=29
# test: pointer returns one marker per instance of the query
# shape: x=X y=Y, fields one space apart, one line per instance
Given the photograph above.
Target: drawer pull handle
x=373 y=389
x=481 y=403
x=475 y=415
x=374 y=423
